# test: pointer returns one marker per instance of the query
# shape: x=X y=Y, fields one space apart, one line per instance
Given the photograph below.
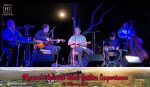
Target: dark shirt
x=41 y=35
x=109 y=42
x=126 y=33
x=10 y=37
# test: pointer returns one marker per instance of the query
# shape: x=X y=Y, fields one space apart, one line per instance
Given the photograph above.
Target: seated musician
x=112 y=45
x=42 y=37
x=9 y=37
x=78 y=44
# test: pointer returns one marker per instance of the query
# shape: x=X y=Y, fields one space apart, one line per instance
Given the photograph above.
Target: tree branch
x=101 y=18
x=93 y=15
x=100 y=21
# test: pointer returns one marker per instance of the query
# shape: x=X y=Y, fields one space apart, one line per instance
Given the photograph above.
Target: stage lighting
x=133 y=59
x=62 y=14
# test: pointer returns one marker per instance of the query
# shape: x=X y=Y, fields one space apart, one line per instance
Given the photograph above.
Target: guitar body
x=40 y=45
x=75 y=45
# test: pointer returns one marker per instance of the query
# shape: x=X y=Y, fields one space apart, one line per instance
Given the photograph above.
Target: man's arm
x=107 y=45
x=6 y=36
x=118 y=45
x=21 y=38
x=71 y=41
x=37 y=35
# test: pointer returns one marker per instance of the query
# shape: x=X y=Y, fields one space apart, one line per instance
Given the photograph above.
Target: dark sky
x=38 y=12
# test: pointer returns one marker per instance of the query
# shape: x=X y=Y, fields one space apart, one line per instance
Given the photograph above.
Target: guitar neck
x=85 y=43
x=53 y=40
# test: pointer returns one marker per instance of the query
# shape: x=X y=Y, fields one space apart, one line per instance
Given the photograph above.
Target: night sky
x=38 y=12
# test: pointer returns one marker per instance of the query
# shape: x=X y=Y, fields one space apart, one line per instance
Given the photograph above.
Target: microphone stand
x=52 y=36
x=27 y=51
x=94 y=40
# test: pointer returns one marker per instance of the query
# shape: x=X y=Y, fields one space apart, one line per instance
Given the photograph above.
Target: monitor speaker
x=95 y=60
x=43 y=59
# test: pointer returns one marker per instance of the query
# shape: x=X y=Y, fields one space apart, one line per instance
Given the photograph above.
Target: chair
x=83 y=62
x=73 y=58
x=109 y=55
x=6 y=55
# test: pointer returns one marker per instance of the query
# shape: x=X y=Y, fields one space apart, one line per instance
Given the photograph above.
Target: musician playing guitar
x=78 y=44
x=44 y=42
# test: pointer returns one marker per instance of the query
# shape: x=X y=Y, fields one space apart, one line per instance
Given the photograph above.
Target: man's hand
x=111 y=47
x=58 y=41
x=76 y=42
x=29 y=39
x=117 y=47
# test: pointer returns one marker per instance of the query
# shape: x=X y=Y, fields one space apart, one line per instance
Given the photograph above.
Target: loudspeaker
x=43 y=60
x=96 y=57
x=95 y=60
